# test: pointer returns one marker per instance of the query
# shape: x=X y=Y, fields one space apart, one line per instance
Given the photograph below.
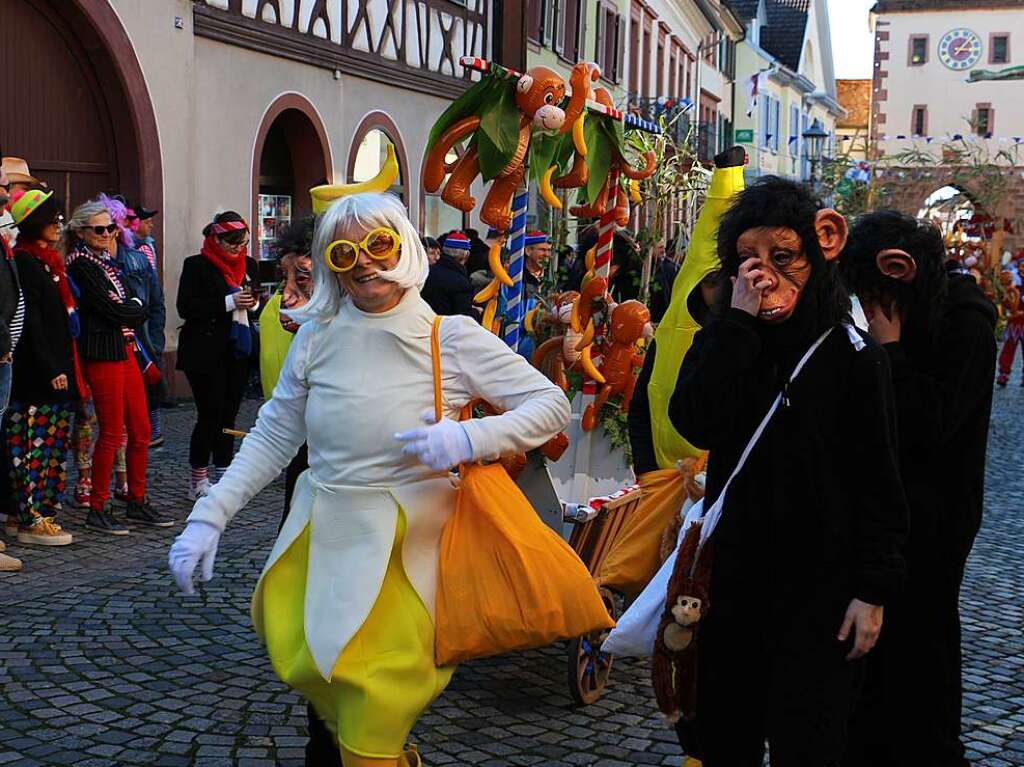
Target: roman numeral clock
x=960 y=49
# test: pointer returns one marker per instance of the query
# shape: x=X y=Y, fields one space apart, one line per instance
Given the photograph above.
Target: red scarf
x=54 y=264
x=231 y=265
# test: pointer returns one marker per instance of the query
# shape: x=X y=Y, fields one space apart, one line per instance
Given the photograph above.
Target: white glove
x=197 y=543
x=439 y=446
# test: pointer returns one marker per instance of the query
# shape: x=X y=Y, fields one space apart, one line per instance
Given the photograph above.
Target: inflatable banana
x=547 y=192
x=324 y=195
x=588 y=365
x=489 y=312
x=578 y=139
x=494 y=262
x=634 y=191
x=487 y=293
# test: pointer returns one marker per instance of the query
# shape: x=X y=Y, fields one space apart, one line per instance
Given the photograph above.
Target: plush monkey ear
x=897 y=264
x=524 y=84
x=830 y=227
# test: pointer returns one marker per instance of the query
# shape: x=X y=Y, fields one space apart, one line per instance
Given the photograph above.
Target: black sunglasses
x=99 y=231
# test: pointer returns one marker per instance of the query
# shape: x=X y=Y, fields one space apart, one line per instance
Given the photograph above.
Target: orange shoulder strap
x=435 y=358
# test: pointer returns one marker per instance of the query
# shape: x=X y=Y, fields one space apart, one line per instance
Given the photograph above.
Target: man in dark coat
x=938 y=331
x=807 y=552
x=448 y=289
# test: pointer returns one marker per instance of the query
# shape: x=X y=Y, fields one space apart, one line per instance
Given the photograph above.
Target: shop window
x=918 y=50
x=999 y=49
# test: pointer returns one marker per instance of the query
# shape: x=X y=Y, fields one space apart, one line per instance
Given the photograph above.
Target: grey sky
x=852 y=42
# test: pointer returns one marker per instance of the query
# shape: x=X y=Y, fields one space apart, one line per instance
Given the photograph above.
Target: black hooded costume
x=815 y=519
x=942 y=376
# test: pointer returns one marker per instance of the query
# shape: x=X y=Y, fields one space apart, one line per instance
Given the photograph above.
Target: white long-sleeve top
x=347 y=386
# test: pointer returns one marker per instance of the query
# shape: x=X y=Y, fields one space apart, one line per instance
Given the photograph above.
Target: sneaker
x=3 y=547
x=9 y=564
x=198 y=489
x=82 y=495
x=141 y=511
x=44 y=531
x=121 y=496
x=103 y=521
x=157 y=441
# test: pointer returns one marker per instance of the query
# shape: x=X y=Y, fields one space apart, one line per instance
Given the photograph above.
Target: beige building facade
x=197 y=106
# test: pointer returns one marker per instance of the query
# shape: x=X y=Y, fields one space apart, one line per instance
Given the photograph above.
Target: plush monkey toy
x=674 y=663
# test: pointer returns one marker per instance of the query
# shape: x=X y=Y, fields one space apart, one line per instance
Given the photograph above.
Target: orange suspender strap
x=435 y=358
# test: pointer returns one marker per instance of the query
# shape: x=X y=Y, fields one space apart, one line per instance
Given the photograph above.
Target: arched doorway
x=948 y=207
x=369 y=148
x=83 y=121
x=292 y=154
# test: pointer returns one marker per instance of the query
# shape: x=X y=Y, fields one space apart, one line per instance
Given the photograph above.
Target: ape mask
x=895 y=262
x=797 y=241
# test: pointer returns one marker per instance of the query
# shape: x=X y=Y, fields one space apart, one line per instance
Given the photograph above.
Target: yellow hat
x=22 y=207
x=325 y=194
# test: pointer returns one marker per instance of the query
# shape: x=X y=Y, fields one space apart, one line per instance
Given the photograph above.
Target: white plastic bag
x=637 y=628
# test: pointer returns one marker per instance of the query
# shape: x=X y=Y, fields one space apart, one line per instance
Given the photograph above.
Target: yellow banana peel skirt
x=384 y=678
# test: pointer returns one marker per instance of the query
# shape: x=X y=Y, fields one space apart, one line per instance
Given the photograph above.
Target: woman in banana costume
x=345 y=603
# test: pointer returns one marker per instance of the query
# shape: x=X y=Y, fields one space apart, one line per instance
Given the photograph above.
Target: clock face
x=960 y=49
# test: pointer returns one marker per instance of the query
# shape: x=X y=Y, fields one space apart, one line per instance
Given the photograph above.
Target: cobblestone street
x=103 y=663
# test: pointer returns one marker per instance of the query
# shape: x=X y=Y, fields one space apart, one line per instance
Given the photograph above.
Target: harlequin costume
x=346 y=600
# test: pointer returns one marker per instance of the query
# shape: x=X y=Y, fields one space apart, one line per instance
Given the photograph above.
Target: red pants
x=1014 y=336
x=119 y=395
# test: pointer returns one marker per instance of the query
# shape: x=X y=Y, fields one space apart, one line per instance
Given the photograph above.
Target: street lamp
x=814 y=142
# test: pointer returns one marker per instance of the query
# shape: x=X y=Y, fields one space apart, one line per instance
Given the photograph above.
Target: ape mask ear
x=524 y=84
x=830 y=227
x=897 y=264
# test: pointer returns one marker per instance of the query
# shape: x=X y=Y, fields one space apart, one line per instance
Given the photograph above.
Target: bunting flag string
x=1015 y=140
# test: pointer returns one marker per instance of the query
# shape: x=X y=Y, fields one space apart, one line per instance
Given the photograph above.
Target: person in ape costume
x=807 y=551
x=937 y=330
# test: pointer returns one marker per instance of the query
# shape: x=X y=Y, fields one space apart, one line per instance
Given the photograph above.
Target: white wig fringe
x=361 y=212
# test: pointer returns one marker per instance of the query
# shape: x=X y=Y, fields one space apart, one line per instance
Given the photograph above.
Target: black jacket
x=10 y=288
x=46 y=349
x=101 y=317
x=204 y=340
x=817 y=516
x=943 y=386
x=448 y=289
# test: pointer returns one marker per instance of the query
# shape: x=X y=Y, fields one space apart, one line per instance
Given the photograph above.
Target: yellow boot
x=348 y=759
x=689 y=761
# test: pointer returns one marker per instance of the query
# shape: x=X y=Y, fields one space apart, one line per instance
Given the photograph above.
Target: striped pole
x=514 y=296
x=629 y=120
x=606 y=230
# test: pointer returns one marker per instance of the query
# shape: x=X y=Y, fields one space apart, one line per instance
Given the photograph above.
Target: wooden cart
x=588 y=666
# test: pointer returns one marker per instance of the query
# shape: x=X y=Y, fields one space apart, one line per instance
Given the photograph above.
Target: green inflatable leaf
x=599 y=153
x=477 y=100
x=499 y=133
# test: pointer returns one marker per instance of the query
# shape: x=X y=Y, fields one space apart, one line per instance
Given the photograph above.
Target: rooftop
x=894 y=6
x=855 y=97
x=783 y=38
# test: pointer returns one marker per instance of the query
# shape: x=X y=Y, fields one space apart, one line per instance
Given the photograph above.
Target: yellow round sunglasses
x=380 y=244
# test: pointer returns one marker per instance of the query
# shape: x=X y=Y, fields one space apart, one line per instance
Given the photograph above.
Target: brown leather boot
x=410 y=758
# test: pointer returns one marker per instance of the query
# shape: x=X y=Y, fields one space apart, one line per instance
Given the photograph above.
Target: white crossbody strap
x=714 y=514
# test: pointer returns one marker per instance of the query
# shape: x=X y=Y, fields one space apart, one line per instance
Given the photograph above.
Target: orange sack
x=507 y=581
x=635 y=555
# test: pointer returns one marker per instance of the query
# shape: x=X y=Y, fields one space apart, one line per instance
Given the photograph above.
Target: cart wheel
x=589 y=667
